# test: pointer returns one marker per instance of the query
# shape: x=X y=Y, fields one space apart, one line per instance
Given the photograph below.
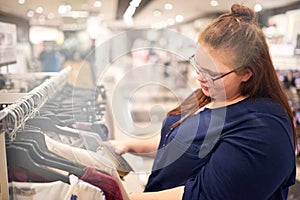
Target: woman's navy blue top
x=242 y=151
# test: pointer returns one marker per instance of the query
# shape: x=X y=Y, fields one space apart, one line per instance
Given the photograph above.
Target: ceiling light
x=68 y=7
x=168 y=6
x=62 y=9
x=50 y=16
x=97 y=4
x=135 y=3
x=42 y=19
x=76 y=14
x=30 y=13
x=21 y=1
x=258 y=7
x=127 y=17
x=214 y=3
x=39 y=10
x=179 y=18
x=157 y=13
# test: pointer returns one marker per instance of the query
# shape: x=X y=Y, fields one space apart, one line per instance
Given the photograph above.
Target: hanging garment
x=81 y=190
x=99 y=160
x=78 y=155
x=107 y=183
x=76 y=190
x=87 y=158
x=38 y=191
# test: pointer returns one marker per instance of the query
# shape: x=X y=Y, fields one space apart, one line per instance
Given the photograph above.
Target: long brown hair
x=238 y=32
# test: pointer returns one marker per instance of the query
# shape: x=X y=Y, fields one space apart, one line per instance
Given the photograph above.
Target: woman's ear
x=246 y=75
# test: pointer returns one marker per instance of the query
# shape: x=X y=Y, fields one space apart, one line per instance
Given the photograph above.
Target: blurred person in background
x=50 y=58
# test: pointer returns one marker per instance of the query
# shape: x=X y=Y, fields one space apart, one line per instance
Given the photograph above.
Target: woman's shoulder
x=259 y=105
x=265 y=113
x=262 y=110
x=264 y=105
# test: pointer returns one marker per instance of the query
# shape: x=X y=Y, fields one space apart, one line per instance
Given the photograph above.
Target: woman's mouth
x=204 y=87
x=203 y=84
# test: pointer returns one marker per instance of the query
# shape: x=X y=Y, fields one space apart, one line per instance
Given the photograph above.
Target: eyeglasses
x=210 y=75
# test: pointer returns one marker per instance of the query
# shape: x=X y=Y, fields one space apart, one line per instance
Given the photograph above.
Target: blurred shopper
x=50 y=58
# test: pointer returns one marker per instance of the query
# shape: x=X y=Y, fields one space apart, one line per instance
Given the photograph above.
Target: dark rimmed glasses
x=210 y=75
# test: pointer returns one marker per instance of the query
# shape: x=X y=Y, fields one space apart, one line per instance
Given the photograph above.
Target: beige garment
x=56 y=190
x=38 y=191
x=85 y=157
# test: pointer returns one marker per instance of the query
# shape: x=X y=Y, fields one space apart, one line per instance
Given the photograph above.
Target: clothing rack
x=14 y=116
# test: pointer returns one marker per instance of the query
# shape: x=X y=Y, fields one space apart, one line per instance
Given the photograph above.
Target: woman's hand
x=119 y=146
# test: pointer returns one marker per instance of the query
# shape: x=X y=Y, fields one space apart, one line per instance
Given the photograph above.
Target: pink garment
x=107 y=183
x=87 y=158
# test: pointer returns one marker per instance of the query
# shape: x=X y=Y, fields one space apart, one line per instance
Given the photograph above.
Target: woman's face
x=212 y=65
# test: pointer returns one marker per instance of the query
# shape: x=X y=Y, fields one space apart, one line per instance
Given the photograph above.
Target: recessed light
x=168 y=6
x=214 y=3
x=62 y=9
x=69 y=8
x=42 y=19
x=157 y=13
x=39 y=10
x=30 y=13
x=21 y=1
x=258 y=7
x=50 y=16
x=179 y=18
x=97 y=4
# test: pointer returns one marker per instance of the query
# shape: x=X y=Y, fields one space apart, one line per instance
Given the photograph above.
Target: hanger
x=58 y=119
x=46 y=124
x=10 y=122
x=90 y=140
x=37 y=138
x=20 y=157
x=41 y=159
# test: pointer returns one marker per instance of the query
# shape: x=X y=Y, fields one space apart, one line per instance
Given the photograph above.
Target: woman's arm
x=146 y=147
x=174 y=194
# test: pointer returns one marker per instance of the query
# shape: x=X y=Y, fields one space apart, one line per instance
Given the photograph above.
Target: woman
x=234 y=138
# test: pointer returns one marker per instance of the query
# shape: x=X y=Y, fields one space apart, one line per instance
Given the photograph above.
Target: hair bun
x=243 y=12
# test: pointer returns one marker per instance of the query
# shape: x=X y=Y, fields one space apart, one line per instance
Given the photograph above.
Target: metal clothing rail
x=15 y=115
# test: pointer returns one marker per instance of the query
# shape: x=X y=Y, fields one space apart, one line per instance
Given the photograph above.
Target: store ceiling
x=149 y=13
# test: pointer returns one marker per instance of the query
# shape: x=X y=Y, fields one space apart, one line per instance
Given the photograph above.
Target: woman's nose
x=201 y=77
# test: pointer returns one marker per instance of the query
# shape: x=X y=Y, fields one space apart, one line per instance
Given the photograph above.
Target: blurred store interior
x=133 y=53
